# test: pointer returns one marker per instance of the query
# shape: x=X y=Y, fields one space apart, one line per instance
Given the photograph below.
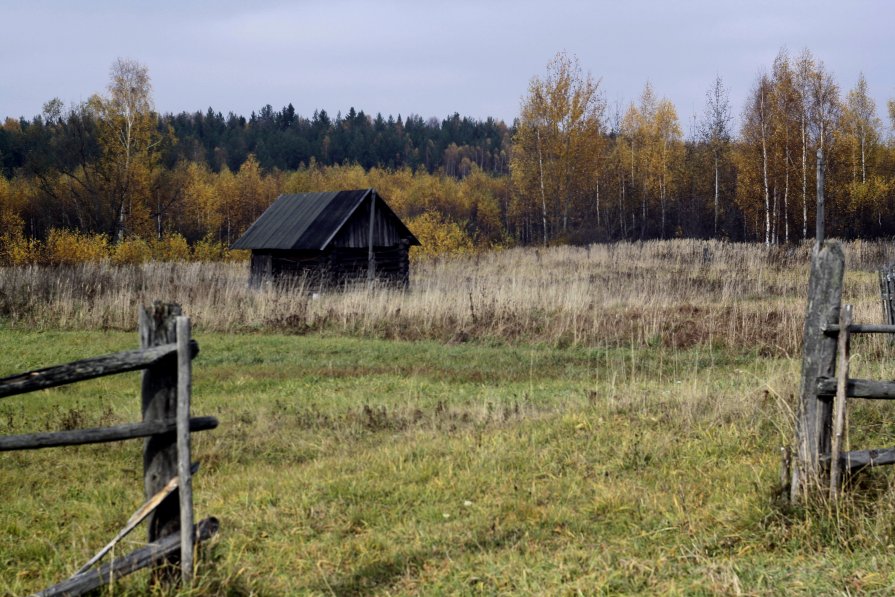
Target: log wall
x=333 y=267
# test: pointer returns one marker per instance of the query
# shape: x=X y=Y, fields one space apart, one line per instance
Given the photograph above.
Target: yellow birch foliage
x=438 y=235
x=69 y=247
x=210 y=249
x=131 y=252
x=171 y=247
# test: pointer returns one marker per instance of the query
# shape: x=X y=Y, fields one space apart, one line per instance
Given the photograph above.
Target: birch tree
x=129 y=138
x=785 y=123
x=861 y=132
x=558 y=141
x=754 y=155
x=862 y=124
x=715 y=133
x=668 y=154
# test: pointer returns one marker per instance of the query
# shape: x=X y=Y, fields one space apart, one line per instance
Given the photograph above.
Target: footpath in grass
x=358 y=466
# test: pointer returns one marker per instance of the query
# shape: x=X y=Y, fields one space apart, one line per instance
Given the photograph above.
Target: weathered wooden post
x=184 y=395
x=887 y=294
x=159 y=403
x=839 y=401
x=813 y=428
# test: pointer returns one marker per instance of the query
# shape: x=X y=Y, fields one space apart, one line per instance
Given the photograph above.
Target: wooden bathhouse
x=331 y=237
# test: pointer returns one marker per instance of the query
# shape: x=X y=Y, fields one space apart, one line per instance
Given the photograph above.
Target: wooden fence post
x=159 y=402
x=184 y=394
x=814 y=425
x=841 y=399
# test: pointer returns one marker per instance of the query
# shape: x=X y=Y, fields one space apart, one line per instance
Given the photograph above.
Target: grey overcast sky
x=431 y=58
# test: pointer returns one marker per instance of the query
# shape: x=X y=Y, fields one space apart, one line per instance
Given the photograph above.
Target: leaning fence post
x=841 y=399
x=159 y=402
x=814 y=425
x=184 y=392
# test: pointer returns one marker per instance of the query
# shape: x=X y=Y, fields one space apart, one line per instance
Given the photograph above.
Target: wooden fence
x=887 y=293
x=826 y=385
x=165 y=358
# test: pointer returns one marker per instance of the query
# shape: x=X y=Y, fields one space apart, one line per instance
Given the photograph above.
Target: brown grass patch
x=746 y=296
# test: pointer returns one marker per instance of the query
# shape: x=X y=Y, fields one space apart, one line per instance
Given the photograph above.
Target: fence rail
x=99 y=435
x=110 y=364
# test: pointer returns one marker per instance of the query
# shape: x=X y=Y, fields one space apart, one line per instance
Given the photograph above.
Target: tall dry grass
x=677 y=293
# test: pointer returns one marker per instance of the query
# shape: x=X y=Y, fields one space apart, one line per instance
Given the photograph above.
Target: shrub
x=439 y=235
x=67 y=247
x=171 y=247
x=209 y=249
x=131 y=252
x=16 y=249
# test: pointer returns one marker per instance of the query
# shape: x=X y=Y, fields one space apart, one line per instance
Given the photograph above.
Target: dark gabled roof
x=306 y=221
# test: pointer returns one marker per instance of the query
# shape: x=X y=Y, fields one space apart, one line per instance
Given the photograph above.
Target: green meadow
x=365 y=466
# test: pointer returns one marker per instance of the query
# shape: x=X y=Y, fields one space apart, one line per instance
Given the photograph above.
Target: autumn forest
x=114 y=174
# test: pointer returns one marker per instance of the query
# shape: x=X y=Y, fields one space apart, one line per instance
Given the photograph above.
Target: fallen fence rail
x=148 y=555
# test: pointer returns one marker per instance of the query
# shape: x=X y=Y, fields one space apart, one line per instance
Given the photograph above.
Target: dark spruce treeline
x=279 y=139
x=285 y=140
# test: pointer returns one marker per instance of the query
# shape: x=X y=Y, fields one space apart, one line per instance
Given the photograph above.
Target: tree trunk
x=767 y=197
x=804 y=181
x=543 y=193
x=764 y=164
x=775 y=221
x=716 y=195
x=786 y=198
x=863 y=160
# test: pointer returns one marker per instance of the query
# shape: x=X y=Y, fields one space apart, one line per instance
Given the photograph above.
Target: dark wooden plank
x=839 y=401
x=184 y=391
x=119 y=362
x=861 y=328
x=859 y=459
x=99 y=435
x=869 y=389
x=813 y=427
x=150 y=555
x=159 y=403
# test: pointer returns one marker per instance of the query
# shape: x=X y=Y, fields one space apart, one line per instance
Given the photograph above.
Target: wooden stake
x=785 y=466
x=184 y=391
x=845 y=319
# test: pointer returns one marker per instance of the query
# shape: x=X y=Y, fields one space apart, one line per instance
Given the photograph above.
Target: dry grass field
x=602 y=420
x=604 y=295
